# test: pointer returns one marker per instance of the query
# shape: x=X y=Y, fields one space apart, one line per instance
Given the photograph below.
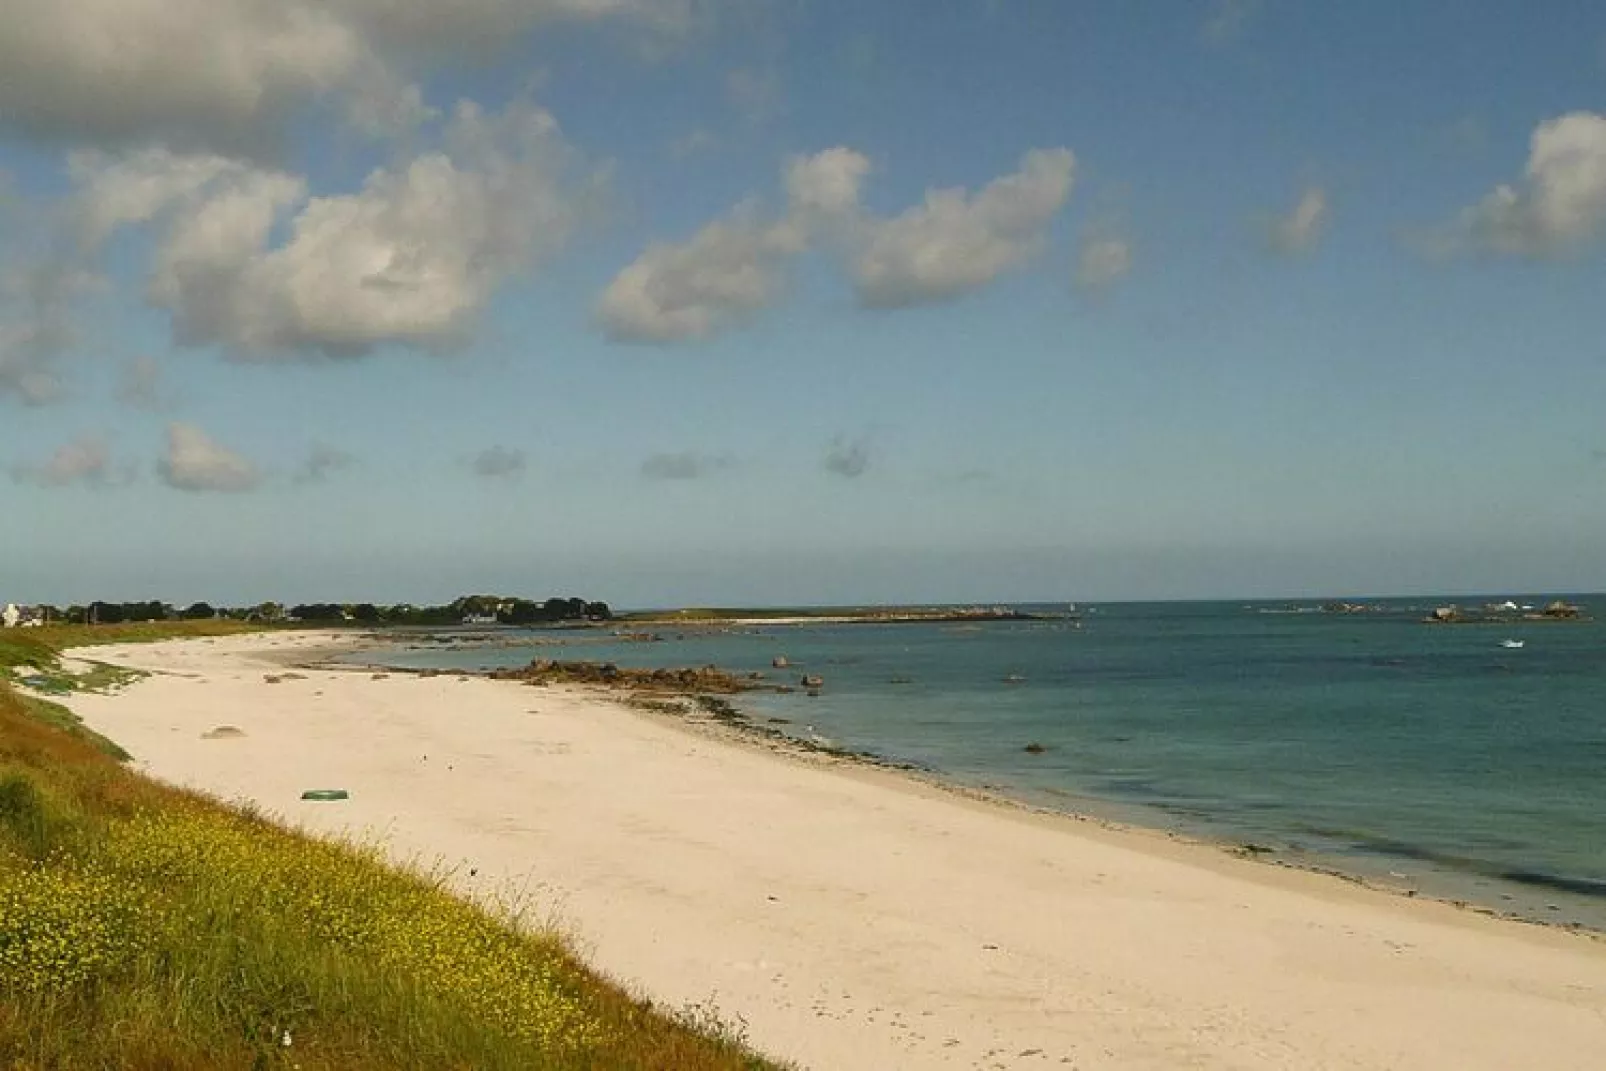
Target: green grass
x=143 y=927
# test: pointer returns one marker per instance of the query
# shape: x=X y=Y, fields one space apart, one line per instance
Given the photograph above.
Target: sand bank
x=852 y=918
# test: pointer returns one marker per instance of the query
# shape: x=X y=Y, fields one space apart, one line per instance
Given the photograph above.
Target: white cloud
x=1559 y=205
x=195 y=462
x=230 y=73
x=827 y=184
x=684 y=466
x=732 y=268
x=85 y=460
x=956 y=242
x=735 y=267
x=1103 y=261
x=411 y=259
x=848 y=458
x=721 y=276
x=498 y=462
x=1302 y=228
x=321 y=460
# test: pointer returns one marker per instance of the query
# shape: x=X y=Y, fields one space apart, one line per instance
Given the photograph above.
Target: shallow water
x=1426 y=756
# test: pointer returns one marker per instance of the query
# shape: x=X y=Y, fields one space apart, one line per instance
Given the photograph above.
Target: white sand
x=854 y=919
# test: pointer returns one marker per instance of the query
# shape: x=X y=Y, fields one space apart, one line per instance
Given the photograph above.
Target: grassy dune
x=143 y=927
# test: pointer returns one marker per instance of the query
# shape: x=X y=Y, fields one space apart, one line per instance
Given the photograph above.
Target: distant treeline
x=469 y=609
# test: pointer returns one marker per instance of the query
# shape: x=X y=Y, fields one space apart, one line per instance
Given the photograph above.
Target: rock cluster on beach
x=699 y=679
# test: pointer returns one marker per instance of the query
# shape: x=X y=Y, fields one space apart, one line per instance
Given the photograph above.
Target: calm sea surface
x=1428 y=756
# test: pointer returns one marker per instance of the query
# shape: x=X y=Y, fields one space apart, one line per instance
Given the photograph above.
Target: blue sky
x=800 y=301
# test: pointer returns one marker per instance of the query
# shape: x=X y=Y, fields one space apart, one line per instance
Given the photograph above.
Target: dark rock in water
x=1034 y=748
x=700 y=679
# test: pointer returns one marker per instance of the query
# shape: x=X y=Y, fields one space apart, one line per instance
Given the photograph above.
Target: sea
x=1438 y=759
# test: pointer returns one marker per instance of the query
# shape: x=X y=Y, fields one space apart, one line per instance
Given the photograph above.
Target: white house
x=11 y=617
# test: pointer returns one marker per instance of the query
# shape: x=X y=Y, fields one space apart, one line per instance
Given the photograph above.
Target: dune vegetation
x=145 y=927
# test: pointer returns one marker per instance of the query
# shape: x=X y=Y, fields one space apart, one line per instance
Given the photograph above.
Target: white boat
x=1514 y=645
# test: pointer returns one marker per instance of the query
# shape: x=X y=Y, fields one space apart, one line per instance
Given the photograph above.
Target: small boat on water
x=1513 y=645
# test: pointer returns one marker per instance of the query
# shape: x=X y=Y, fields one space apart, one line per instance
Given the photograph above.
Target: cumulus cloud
x=498 y=462
x=321 y=460
x=683 y=466
x=1301 y=229
x=720 y=277
x=956 y=242
x=1560 y=204
x=86 y=460
x=848 y=458
x=1102 y=262
x=826 y=186
x=735 y=267
x=411 y=259
x=197 y=463
x=231 y=73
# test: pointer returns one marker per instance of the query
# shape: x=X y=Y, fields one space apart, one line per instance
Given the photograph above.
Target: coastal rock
x=690 y=679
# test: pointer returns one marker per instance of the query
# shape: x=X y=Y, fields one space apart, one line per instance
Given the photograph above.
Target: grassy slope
x=143 y=927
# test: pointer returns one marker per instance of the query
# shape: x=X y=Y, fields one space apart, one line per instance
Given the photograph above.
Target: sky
x=681 y=302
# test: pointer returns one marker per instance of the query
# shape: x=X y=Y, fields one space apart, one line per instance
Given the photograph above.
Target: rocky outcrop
x=690 y=680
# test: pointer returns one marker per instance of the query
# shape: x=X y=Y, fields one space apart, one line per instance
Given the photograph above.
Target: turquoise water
x=1429 y=757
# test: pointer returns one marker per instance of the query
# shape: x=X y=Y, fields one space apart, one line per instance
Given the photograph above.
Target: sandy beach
x=851 y=917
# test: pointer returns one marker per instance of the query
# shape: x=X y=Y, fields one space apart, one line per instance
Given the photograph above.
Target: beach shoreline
x=746 y=731
x=1178 y=918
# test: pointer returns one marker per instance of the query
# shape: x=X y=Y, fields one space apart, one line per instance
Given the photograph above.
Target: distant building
x=10 y=617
